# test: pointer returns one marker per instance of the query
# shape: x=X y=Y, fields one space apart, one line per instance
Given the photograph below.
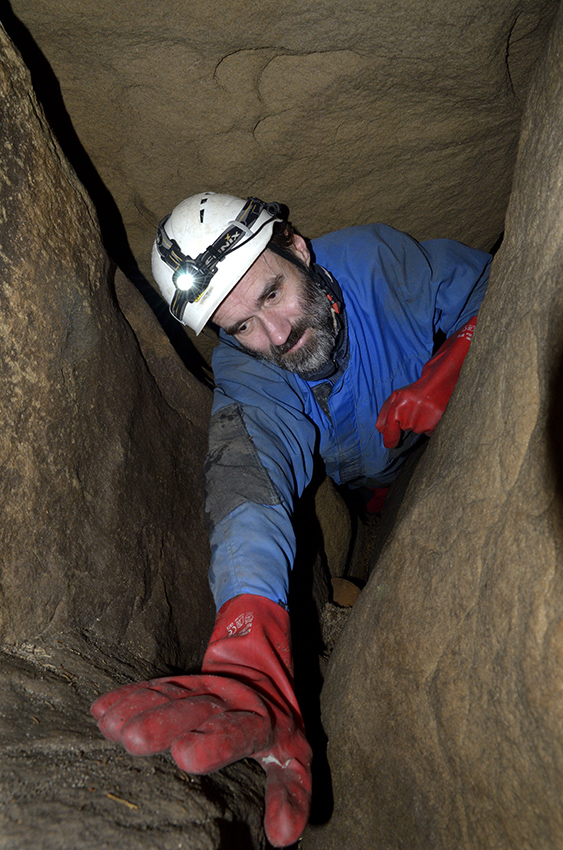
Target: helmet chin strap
x=291 y=257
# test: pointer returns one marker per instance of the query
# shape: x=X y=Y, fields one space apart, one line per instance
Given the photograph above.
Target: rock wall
x=104 y=554
x=100 y=489
x=443 y=698
x=404 y=112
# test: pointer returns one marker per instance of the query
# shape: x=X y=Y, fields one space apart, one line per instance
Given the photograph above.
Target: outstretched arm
x=243 y=703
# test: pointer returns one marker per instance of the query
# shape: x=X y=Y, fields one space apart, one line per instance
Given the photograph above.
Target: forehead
x=241 y=301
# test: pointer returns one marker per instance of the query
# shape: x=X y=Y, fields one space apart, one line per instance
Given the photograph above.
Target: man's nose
x=277 y=328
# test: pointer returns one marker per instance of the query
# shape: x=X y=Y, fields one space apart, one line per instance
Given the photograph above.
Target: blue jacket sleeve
x=261 y=451
x=460 y=276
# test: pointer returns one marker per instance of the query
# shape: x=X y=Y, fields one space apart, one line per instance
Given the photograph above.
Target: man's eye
x=242 y=329
x=274 y=293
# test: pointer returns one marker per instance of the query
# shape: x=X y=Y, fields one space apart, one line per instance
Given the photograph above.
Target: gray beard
x=318 y=319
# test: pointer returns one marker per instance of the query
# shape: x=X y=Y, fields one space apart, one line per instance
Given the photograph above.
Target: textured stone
x=404 y=112
x=100 y=485
x=344 y=592
x=442 y=700
x=104 y=551
x=336 y=527
x=64 y=787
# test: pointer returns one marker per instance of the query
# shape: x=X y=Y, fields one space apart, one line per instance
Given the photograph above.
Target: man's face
x=278 y=312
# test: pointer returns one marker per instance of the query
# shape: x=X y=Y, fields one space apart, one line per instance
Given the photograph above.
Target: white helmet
x=204 y=247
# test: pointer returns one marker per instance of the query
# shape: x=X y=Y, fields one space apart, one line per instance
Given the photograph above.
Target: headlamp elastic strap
x=202 y=269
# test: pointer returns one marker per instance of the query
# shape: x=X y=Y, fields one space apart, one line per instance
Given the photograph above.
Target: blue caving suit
x=268 y=424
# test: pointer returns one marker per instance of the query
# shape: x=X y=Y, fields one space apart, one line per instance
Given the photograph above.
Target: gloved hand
x=242 y=705
x=419 y=406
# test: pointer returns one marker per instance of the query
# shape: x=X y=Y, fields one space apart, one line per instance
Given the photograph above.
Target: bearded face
x=279 y=313
x=317 y=318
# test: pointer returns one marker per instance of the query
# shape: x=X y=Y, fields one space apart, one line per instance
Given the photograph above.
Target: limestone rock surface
x=442 y=701
x=104 y=553
x=404 y=112
x=63 y=787
x=101 y=492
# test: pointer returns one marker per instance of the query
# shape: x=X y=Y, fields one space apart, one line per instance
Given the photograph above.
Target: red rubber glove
x=377 y=500
x=242 y=705
x=419 y=406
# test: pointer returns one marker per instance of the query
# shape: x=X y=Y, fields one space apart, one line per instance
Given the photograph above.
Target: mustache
x=295 y=334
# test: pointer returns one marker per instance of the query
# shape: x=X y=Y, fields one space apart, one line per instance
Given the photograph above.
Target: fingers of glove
x=381 y=420
x=174 y=686
x=103 y=703
x=288 y=801
x=222 y=740
x=392 y=435
x=135 y=701
x=154 y=730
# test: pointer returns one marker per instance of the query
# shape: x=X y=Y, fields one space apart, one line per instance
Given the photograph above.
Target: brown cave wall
x=102 y=528
x=104 y=554
x=404 y=112
x=443 y=698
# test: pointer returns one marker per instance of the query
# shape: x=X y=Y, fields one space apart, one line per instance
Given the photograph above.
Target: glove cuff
x=252 y=642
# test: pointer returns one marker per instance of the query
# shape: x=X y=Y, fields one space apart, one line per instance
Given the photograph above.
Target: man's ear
x=299 y=247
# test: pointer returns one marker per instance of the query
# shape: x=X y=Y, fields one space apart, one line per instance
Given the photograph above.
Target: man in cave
x=327 y=348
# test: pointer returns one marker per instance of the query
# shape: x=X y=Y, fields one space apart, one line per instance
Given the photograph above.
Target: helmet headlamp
x=192 y=277
x=184 y=278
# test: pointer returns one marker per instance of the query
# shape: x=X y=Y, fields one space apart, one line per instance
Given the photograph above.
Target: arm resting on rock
x=241 y=706
x=419 y=406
